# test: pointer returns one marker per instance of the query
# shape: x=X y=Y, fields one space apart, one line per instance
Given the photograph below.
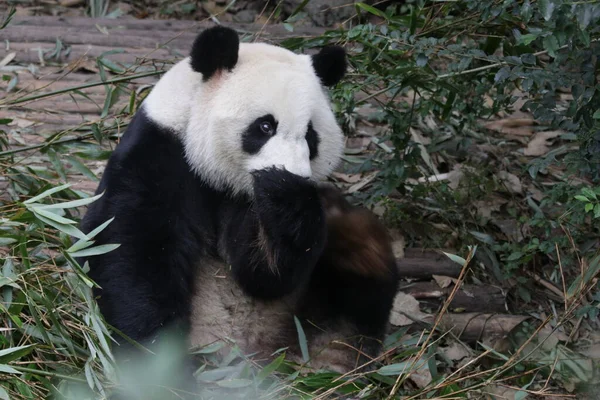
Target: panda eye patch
x=258 y=133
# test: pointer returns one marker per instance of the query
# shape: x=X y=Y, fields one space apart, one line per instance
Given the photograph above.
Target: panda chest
x=221 y=311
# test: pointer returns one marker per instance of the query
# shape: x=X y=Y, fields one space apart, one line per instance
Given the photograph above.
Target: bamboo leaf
x=302 y=340
x=94 y=251
x=47 y=193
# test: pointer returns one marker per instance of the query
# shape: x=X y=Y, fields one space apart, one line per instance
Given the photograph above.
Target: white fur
x=222 y=312
x=211 y=116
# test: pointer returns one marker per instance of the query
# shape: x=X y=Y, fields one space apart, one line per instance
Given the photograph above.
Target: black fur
x=274 y=245
x=163 y=222
x=215 y=49
x=330 y=64
x=312 y=138
x=337 y=292
x=254 y=139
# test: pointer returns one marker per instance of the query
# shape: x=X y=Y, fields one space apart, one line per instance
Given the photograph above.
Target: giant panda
x=226 y=230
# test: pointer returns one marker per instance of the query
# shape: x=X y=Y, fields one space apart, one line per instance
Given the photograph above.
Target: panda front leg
x=274 y=245
x=352 y=289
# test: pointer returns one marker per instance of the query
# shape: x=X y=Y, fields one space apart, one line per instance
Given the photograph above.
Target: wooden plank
x=268 y=31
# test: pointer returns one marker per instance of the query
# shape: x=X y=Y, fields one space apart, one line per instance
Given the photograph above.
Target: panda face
x=269 y=109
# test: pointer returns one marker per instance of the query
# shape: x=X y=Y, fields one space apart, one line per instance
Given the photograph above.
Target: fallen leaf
x=453 y=177
x=22 y=123
x=511 y=181
x=379 y=209
x=405 y=304
x=348 y=178
x=512 y=126
x=549 y=338
x=443 y=281
x=536 y=194
x=364 y=182
x=455 y=351
x=82 y=65
x=398 y=243
x=357 y=143
x=422 y=375
x=540 y=143
x=486 y=207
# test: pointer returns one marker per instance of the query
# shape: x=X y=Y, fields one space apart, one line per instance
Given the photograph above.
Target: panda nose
x=281 y=152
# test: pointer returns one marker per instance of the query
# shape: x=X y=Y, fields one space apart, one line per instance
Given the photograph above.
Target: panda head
x=243 y=107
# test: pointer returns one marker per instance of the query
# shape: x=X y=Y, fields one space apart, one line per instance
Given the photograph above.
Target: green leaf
x=527 y=38
x=502 y=74
x=71 y=204
x=80 y=167
x=589 y=193
x=394 y=369
x=551 y=45
x=402 y=367
x=4 y=394
x=371 y=10
x=299 y=8
x=100 y=228
x=5 y=241
x=520 y=395
x=515 y=256
x=94 y=251
x=456 y=259
x=211 y=348
x=596 y=115
x=589 y=207
x=597 y=210
x=483 y=237
x=8 y=370
x=6 y=281
x=422 y=60
x=47 y=193
x=269 y=369
x=234 y=383
x=546 y=8
x=52 y=216
x=68 y=229
x=302 y=340
x=57 y=163
x=582 y=198
x=13 y=353
x=582 y=281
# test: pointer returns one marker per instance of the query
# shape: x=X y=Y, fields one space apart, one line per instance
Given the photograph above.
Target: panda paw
x=288 y=205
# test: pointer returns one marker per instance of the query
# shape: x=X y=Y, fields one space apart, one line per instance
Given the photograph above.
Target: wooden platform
x=49 y=54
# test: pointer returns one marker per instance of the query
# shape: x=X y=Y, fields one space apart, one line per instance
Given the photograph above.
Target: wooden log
x=469 y=298
x=28 y=52
x=470 y=327
x=131 y=23
x=474 y=327
x=422 y=264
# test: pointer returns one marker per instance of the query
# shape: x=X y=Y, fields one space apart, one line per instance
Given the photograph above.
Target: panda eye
x=267 y=128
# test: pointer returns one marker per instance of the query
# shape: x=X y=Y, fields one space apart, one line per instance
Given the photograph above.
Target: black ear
x=330 y=64
x=214 y=49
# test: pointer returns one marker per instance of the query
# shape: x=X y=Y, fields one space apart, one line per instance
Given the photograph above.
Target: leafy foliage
x=434 y=74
